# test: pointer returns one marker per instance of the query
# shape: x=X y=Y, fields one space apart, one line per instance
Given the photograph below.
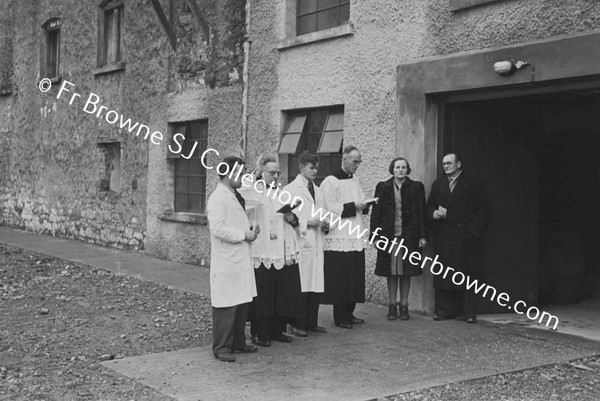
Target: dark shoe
x=298 y=332
x=318 y=329
x=391 y=312
x=282 y=338
x=223 y=357
x=246 y=349
x=404 y=312
x=471 y=319
x=438 y=317
x=356 y=320
x=344 y=325
x=260 y=342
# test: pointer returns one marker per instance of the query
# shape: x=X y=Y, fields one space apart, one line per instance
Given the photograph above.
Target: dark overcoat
x=413 y=221
x=457 y=239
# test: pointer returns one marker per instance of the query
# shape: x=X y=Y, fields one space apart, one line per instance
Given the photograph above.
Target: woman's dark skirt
x=344 y=277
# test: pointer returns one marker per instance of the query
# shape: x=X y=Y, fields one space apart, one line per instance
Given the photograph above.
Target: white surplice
x=231 y=274
x=275 y=244
x=336 y=193
x=310 y=239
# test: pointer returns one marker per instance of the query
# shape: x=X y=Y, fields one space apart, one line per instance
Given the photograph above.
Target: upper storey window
x=317 y=15
x=110 y=33
x=52 y=48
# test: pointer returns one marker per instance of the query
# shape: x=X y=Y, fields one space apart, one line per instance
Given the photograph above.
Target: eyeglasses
x=277 y=172
x=447 y=163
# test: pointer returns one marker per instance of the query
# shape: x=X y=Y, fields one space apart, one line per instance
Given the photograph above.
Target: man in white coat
x=312 y=236
x=232 y=283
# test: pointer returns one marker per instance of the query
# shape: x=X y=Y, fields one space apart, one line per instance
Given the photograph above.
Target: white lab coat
x=311 y=239
x=231 y=273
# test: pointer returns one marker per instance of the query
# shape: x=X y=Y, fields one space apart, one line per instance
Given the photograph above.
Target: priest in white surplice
x=311 y=238
x=344 y=256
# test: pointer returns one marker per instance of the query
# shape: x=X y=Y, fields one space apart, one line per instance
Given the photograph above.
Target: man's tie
x=240 y=199
x=311 y=189
x=452 y=184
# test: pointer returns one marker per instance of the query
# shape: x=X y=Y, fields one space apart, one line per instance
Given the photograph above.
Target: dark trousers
x=228 y=328
x=343 y=313
x=266 y=328
x=450 y=303
x=309 y=310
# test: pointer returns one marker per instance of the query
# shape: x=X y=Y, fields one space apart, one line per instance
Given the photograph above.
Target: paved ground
x=375 y=360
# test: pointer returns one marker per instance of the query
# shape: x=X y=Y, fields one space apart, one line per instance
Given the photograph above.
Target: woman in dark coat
x=399 y=213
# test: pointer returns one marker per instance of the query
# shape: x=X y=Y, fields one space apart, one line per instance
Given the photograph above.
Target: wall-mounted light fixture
x=508 y=67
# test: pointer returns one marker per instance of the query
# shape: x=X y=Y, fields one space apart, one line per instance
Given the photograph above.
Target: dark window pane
x=194 y=203
x=327 y=19
x=200 y=130
x=313 y=142
x=195 y=185
x=196 y=167
x=181 y=167
x=306 y=24
x=289 y=143
x=321 y=4
x=306 y=6
x=331 y=142
x=181 y=204
x=344 y=14
x=181 y=184
x=292 y=167
x=317 y=120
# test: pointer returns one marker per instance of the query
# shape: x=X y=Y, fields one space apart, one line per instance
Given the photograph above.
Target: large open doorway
x=538 y=156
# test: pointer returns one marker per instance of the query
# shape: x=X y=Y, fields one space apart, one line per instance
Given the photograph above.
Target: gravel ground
x=60 y=319
x=578 y=380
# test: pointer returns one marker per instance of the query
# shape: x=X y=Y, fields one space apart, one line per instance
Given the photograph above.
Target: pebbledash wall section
x=52 y=165
x=355 y=66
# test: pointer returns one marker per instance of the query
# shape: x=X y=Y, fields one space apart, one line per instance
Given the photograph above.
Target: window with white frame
x=320 y=131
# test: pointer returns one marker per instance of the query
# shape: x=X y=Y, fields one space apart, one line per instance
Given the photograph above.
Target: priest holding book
x=344 y=255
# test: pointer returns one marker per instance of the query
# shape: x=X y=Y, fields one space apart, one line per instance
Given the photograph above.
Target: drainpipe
x=244 y=139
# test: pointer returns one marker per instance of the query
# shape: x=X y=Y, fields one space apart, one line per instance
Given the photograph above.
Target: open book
x=288 y=208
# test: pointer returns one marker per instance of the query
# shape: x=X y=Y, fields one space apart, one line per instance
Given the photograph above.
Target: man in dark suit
x=458 y=212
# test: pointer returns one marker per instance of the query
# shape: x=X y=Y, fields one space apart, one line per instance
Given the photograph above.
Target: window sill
x=182 y=217
x=326 y=34
x=107 y=69
x=56 y=80
x=457 y=5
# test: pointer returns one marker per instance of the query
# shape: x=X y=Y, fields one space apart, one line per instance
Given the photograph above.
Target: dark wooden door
x=497 y=142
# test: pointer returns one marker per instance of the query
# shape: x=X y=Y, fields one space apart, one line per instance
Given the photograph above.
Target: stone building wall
x=56 y=170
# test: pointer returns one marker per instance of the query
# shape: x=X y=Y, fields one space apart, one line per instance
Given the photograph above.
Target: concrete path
x=377 y=359
x=372 y=361
x=178 y=275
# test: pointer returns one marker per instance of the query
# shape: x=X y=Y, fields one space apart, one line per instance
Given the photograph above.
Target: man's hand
x=252 y=234
x=440 y=213
x=360 y=205
x=422 y=242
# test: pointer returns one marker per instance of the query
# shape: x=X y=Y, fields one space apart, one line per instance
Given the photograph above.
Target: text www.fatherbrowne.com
x=437 y=268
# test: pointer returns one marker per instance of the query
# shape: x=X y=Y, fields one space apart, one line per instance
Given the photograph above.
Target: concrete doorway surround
x=424 y=85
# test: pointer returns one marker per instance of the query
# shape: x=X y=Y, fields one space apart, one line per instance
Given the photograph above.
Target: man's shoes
x=224 y=357
x=403 y=312
x=317 y=329
x=298 y=332
x=344 y=325
x=246 y=349
x=391 y=312
x=471 y=319
x=260 y=342
x=356 y=320
x=438 y=317
x=282 y=338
